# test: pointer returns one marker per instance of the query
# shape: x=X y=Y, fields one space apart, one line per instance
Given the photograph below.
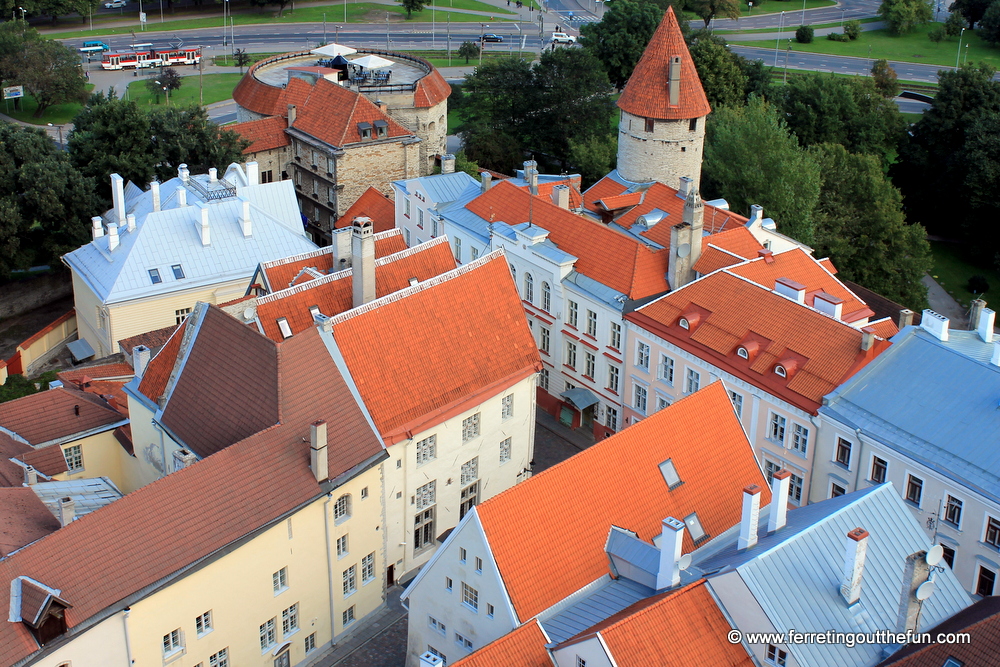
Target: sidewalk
x=370 y=638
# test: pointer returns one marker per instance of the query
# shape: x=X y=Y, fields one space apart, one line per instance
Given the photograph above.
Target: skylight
x=669 y=472
x=178 y=271
x=154 y=276
x=694 y=527
x=286 y=331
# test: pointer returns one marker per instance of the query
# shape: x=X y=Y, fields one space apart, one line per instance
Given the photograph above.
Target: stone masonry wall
x=670 y=151
x=376 y=164
x=431 y=125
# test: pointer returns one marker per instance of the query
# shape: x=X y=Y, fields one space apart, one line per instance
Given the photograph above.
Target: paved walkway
x=376 y=641
x=942 y=302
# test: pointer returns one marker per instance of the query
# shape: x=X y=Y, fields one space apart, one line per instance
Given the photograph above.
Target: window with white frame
x=342 y=508
x=458 y=250
x=347 y=617
x=505 y=449
x=279 y=580
x=665 y=371
x=837 y=490
x=661 y=402
x=571 y=354
x=692 y=381
x=591 y=323
x=423 y=520
x=426 y=449
x=436 y=625
x=776 y=428
x=74 y=457
x=611 y=418
x=310 y=643
x=546 y=297
x=268 y=633
x=507 y=407
x=221 y=658
x=368 y=568
x=914 y=489
x=640 y=396
x=795 y=483
x=737 y=400
x=470 y=596
x=203 y=623
x=463 y=641
x=544 y=340
x=642 y=355
x=406 y=232
x=543 y=379
x=470 y=471
x=879 y=469
x=420 y=218
x=529 y=288
x=181 y=315
x=448 y=584
x=489 y=610
x=350 y=580
x=470 y=427
x=589 y=364
x=290 y=620
x=434 y=227
x=613 y=378
x=406 y=207
x=694 y=527
x=172 y=642
x=992 y=536
x=770 y=467
x=776 y=656
x=800 y=439
x=473 y=253
x=468 y=499
x=574 y=314
x=843 y=452
x=949 y=556
x=952 y=511
x=479 y=565
x=616 y=336
x=580 y=662
x=986 y=581
x=342 y=546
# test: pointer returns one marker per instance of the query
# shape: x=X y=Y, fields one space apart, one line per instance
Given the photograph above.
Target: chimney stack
x=183 y=173
x=30 y=476
x=905 y=318
x=430 y=660
x=447 y=163
x=253 y=173
x=975 y=308
x=686 y=184
x=317 y=450
x=915 y=573
x=154 y=189
x=675 y=81
x=984 y=325
x=206 y=236
x=867 y=339
x=67 y=511
x=182 y=197
x=291 y=115
x=213 y=175
x=112 y=236
x=829 y=304
x=487 y=180
x=140 y=359
x=362 y=261
x=245 y=223
x=936 y=324
x=183 y=458
x=750 y=517
x=778 y=512
x=995 y=360
x=791 y=289
x=531 y=175
x=756 y=214
x=560 y=196
x=98 y=229
x=854 y=565
x=118 y=197
x=341 y=248
x=130 y=220
x=671 y=542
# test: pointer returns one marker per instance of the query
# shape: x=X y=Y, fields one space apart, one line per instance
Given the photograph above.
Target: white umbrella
x=372 y=62
x=334 y=50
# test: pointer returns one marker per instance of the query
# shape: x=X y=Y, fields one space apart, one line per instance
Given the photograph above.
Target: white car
x=115 y=4
x=563 y=38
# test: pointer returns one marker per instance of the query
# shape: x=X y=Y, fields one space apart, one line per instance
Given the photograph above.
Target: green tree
x=49 y=72
x=496 y=101
x=902 y=16
x=953 y=26
x=971 y=10
x=989 y=25
x=186 y=135
x=710 y=9
x=621 y=36
x=241 y=58
x=263 y=3
x=412 y=6
x=594 y=157
x=752 y=158
x=853 y=28
x=719 y=69
x=463 y=163
x=860 y=225
x=804 y=34
x=936 y=34
x=885 y=78
x=468 y=50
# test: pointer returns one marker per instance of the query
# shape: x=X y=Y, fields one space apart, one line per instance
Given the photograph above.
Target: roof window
x=742 y=352
x=670 y=476
x=693 y=524
x=178 y=271
x=286 y=331
x=684 y=324
x=779 y=370
x=365 y=130
x=154 y=276
x=315 y=312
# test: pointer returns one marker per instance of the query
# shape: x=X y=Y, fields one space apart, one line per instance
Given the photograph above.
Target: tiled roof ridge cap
x=319 y=252
x=395 y=231
x=729 y=252
x=411 y=251
x=419 y=287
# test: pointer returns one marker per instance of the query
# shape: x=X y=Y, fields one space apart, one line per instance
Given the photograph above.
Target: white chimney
x=829 y=304
x=915 y=573
x=854 y=565
x=253 y=173
x=995 y=360
x=98 y=229
x=140 y=359
x=206 y=236
x=291 y=115
x=936 y=324
x=130 y=220
x=750 y=517
x=671 y=542
x=67 y=511
x=154 y=188
x=560 y=196
x=362 y=261
x=778 y=511
x=430 y=660
x=341 y=248
x=317 y=450
x=487 y=181
x=183 y=458
x=30 y=476
x=182 y=197
x=984 y=327
x=756 y=214
x=213 y=175
x=183 y=173
x=674 y=84
x=118 y=197
x=790 y=288
x=867 y=339
x=245 y=223
x=905 y=318
x=531 y=175
x=447 y=163
x=112 y=236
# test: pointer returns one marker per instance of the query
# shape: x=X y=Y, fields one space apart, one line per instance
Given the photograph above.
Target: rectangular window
x=692 y=381
x=800 y=440
x=203 y=623
x=571 y=354
x=470 y=596
x=342 y=546
x=420 y=218
x=470 y=496
x=74 y=457
x=407 y=233
x=611 y=418
x=347 y=617
x=837 y=490
x=770 y=467
x=574 y=314
x=181 y=315
x=447 y=584
x=776 y=656
x=776 y=429
x=310 y=644
x=489 y=610
x=470 y=471
x=463 y=555
x=427 y=450
x=368 y=567
x=589 y=364
x=279 y=580
x=795 y=488
x=986 y=582
x=953 y=511
x=268 y=634
x=426 y=495
x=178 y=271
x=737 y=400
x=505 y=447
x=436 y=625
x=613 y=375
x=507 y=406
x=544 y=344
x=591 y=323
x=640 y=399
x=470 y=427
x=458 y=250
x=434 y=228
x=580 y=662
x=221 y=658
x=364 y=493
x=350 y=576
x=949 y=556
x=423 y=530
x=172 y=642
x=879 y=468
x=650 y=124
x=642 y=355
x=661 y=402
x=290 y=620
x=992 y=532
x=616 y=336
x=914 y=489
x=463 y=641
x=543 y=379
x=479 y=565
x=843 y=452
x=154 y=276
x=406 y=207
x=665 y=371
x=473 y=253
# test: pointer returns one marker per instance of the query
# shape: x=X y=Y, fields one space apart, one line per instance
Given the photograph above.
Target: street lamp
x=23 y=12
x=336 y=34
x=843 y=12
x=482 y=41
x=387 y=47
x=166 y=91
x=803 y=12
x=959 y=54
x=225 y=9
x=519 y=38
x=61 y=147
x=777 y=41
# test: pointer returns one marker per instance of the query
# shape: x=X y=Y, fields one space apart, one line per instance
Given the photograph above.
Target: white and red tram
x=139 y=59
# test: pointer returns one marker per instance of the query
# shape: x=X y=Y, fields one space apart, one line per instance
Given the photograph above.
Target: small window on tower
x=649 y=124
x=693 y=125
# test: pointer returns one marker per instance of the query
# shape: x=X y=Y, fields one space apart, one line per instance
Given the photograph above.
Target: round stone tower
x=661 y=133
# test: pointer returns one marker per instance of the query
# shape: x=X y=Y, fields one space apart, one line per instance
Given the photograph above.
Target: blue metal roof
x=606 y=601
x=444 y=188
x=935 y=402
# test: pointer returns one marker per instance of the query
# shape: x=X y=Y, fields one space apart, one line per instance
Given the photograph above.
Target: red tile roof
x=188 y=515
x=99 y=372
x=618 y=482
x=981 y=621
x=545 y=189
x=267 y=100
x=264 y=134
x=615 y=202
x=884 y=328
x=733 y=310
x=11 y=474
x=333 y=293
x=373 y=204
x=24 y=519
x=154 y=340
x=646 y=94
x=332 y=113
x=828 y=265
x=435 y=334
x=726 y=248
x=56 y=414
x=103 y=380
x=430 y=90
x=60 y=320
x=882 y=306
x=48 y=460
x=158 y=370
x=609 y=256
x=524 y=647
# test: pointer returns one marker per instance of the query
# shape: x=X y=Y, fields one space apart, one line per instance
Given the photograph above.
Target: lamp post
x=777 y=41
x=843 y=12
x=23 y=12
x=166 y=91
x=336 y=34
x=225 y=24
x=324 y=27
x=959 y=54
x=345 y=11
x=520 y=40
x=482 y=41
x=803 y=12
x=433 y=27
x=966 y=60
x=61 y=147
x=387 y=47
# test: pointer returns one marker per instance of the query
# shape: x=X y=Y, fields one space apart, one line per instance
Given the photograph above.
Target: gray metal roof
x=444 y=188
x=88 y=494
x=935 y=402
x=607 y=600
x=795 y=574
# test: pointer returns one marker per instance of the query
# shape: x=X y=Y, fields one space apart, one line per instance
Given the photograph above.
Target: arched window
x=779 y=370
x=529 y=288
x=342 y=508
x=546 y=297
x=684 y=324
x=742 y=352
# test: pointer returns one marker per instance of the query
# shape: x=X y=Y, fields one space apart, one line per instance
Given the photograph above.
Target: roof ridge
x=319 y=252
x=384 y=234
x=419 y=287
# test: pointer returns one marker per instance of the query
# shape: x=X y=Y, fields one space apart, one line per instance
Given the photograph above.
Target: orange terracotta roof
x=575 y=196
x=158 y=370
x=288 y=271
x=606 y=187
x=333 y=293
x=264 y=134
x=163 y=527
x=617 y=482
x=48 y=460
x=267 y=100
x=438 y=329
x=430 y=90
x=828 y=265
x=616 y=202
x=154 y=340
x=682 y=627
x=610 y=257
x=332 y=113
x=523 y=646
x=373 y=204
x=646 y=94
x=884 y=328
x=56 y=414
x=24 y=519
x=11 y=474
x=733 y=310
x=726 y=248
x=100 y=372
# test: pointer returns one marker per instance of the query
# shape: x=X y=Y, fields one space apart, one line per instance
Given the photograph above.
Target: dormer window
x=742 y=352
x=684 y=324
x=779 y=370
x=154 y=276
x=365 y=130
x=40 y=608
x=381 y=128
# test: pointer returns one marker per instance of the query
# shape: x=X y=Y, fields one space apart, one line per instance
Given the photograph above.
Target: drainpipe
x=329 y=564
x=163 y=449
x=861 y=459
x=128 y=644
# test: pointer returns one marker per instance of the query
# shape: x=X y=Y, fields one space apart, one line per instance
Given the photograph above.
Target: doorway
x=390 y=576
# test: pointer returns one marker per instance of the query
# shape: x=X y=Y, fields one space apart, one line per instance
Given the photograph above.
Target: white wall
x=589 y=650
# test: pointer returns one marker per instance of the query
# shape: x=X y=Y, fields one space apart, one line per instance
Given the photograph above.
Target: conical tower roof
x=647 y=92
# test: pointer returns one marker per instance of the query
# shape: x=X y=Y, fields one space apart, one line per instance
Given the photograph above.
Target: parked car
x=563 y=38
x=115 y=4
x=94 y=46
x=490 y=37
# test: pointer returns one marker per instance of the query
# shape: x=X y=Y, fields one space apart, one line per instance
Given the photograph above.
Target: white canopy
x=372 y=62
x=334 y=50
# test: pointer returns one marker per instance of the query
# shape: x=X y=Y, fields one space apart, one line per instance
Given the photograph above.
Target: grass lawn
x=218 y=87
x=817 y=26
x=57 y=114
x=492 y=53
x=765 y=8
x=952 y=271
x=914 y=47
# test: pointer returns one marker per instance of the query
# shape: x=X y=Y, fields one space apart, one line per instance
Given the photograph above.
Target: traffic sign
x=142 y=17
x=13 y=92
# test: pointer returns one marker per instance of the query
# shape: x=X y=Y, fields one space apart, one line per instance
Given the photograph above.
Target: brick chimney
x=140 y=359
x=915 y=572
x=750 y=517
x=671 y=541
x=854 y=565
x=935 y=324
x=118 y=197
x=204 y=230
x=447 y=163
x=253 y=173
x=674 y=85
x=778 y=511
x=905 y=318
x=112 y=236
x=560 y=196
x=67 y=511
x=686 y=240
x=767 y=255
x=317 y=451
x=362 y=261
x=98 y=227
x=154 y=189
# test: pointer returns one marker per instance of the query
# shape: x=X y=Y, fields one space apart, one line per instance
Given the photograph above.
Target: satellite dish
x=248 y=314
x=934 y=555
x=925 y=590
x=684 y=250
x=684 y=563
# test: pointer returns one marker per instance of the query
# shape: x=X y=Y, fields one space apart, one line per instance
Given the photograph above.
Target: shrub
x=804 y=34
x=853 y=29
x=837 y=37
x=978 y=284
x=936 y=34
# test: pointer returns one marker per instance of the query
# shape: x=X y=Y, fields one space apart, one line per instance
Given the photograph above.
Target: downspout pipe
x=329 y=565
x=128 y=643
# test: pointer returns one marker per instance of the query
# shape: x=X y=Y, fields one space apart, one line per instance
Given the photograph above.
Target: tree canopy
x=989 y=25
x=902 y=16
x=971 y=10
x=710 y=9
x=727 y=78
x=49 y=71
x=621 y=36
